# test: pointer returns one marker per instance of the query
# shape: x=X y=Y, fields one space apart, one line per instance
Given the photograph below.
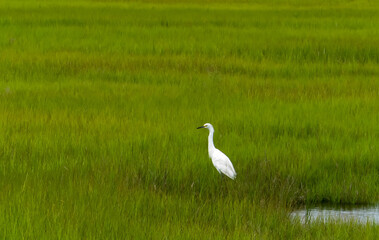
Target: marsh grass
x=100 y=100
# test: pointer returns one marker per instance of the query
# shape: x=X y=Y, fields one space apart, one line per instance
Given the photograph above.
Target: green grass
x=100 y=100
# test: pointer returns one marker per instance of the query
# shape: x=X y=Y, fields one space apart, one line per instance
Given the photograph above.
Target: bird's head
x=207 y=125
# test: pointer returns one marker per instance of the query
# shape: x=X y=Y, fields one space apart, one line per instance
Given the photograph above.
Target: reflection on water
x=324 y=213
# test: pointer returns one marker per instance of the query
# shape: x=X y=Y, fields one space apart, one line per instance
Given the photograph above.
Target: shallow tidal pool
x=324 y=213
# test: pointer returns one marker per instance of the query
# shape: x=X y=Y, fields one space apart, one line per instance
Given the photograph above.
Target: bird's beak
x=201 y=127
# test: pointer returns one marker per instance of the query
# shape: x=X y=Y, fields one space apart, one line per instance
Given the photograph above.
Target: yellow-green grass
x=100 y=100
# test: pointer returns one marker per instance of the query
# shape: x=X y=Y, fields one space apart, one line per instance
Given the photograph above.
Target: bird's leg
x=222 y=185
x=221 y=178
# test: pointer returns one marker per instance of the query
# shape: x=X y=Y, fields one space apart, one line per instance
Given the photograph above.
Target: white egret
x=219 y=159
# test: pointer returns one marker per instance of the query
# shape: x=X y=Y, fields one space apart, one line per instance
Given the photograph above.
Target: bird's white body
x=221 y=162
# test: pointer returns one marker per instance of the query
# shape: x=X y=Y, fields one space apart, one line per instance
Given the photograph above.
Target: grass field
x=100 y=100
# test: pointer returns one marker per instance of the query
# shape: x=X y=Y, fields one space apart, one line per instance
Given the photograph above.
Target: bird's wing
x=223 y=164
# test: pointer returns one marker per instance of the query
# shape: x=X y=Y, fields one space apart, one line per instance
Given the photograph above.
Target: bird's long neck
x=211 y=146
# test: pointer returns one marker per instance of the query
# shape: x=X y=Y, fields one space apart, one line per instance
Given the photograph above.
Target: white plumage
x=221 y=162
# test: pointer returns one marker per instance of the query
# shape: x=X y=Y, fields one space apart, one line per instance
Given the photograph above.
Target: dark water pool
x=324 y=213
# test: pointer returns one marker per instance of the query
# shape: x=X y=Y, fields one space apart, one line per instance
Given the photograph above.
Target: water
x=324 y=213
